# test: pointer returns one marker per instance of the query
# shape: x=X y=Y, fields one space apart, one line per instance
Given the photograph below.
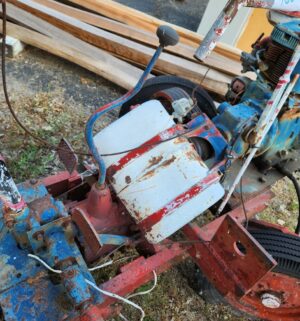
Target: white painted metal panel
x=132 y=130
x=151 y=181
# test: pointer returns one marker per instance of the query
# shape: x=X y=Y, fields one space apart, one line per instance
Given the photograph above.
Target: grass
x=47 y=117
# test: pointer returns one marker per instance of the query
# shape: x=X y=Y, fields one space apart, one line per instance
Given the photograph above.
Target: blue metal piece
x=234 y=121
x=27 y=291
x=210 y=133
x=115 y=104
x=110 y=239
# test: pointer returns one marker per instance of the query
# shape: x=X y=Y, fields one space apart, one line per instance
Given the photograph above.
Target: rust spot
x=191 y=155
x=40 y=206
x=36 y=278
x=163 y=164
x=148 y=174
x=291 y=114
x=127 y=179
x=154 y=161
x=168 y=161
x=179 y=140
x=137 y=215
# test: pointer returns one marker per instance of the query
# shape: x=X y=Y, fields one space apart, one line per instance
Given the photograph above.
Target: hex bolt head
x=270 y=301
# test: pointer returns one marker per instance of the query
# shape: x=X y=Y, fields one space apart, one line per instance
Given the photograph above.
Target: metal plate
x=67 y=156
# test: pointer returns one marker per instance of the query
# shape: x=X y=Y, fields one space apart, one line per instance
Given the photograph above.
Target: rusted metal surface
x=227 y=15
x=238 y=260
x=222 y=22
x=61 y=182
x=282 y=286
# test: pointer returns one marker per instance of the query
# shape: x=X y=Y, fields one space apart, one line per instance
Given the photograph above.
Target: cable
x=118 y=297
x=147 y=291
x=44 y=263
x=93 y=285
x=297 y=188
x=98 y=267
x=45 y=144
x=123 y=317
x=152 y=144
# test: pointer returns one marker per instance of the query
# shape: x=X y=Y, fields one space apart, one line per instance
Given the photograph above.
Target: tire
x=153 y=85
x=284 y=248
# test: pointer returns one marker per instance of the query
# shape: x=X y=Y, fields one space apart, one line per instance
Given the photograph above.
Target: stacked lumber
x=115 y=42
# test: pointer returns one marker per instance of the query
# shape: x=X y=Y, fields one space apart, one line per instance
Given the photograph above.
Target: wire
x=93 y=285
x=123 y=317
x=44 y=263
x=45 y=144
x=145 y=292
x=152 y=144
x=98 y=267
x=118 y=297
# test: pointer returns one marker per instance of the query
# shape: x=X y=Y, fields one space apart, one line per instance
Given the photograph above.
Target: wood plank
x=215 y=60
x=99 y=62
x=128 y=49
x=142 y=20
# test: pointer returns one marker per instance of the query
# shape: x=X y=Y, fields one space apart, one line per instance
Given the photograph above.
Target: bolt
x=39 y=236
x=9 y=224
x=270 y=301
x=33 y=181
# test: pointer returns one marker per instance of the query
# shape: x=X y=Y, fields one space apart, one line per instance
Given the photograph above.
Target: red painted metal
x=216 y=248
x=283 y=286
x=134 y=275
x=154 y=218
x=221 y=260
x=61 y=182
x=105 y=215
x=150 y=144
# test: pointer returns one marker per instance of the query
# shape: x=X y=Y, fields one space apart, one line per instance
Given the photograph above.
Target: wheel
x=276 y=296
x=156 y=84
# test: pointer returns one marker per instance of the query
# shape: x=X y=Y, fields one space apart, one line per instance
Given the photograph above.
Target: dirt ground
x=54 y=98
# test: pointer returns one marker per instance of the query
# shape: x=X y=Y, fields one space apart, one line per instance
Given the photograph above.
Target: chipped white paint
x=148 y=183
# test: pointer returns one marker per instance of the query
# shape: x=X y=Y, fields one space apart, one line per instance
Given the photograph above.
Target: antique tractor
x=170 y=157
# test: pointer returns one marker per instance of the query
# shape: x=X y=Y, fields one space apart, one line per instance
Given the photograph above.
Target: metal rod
x=215 y=33
x=274 y=105
x=227 y=15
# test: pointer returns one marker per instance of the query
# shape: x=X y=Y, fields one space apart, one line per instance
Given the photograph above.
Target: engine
x=247 y=99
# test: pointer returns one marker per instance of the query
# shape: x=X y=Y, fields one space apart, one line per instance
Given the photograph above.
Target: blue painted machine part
x=110 y=239
x=27 y=289
x=210 y=134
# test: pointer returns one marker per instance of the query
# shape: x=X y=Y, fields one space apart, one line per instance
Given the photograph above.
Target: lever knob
x=167 y=36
